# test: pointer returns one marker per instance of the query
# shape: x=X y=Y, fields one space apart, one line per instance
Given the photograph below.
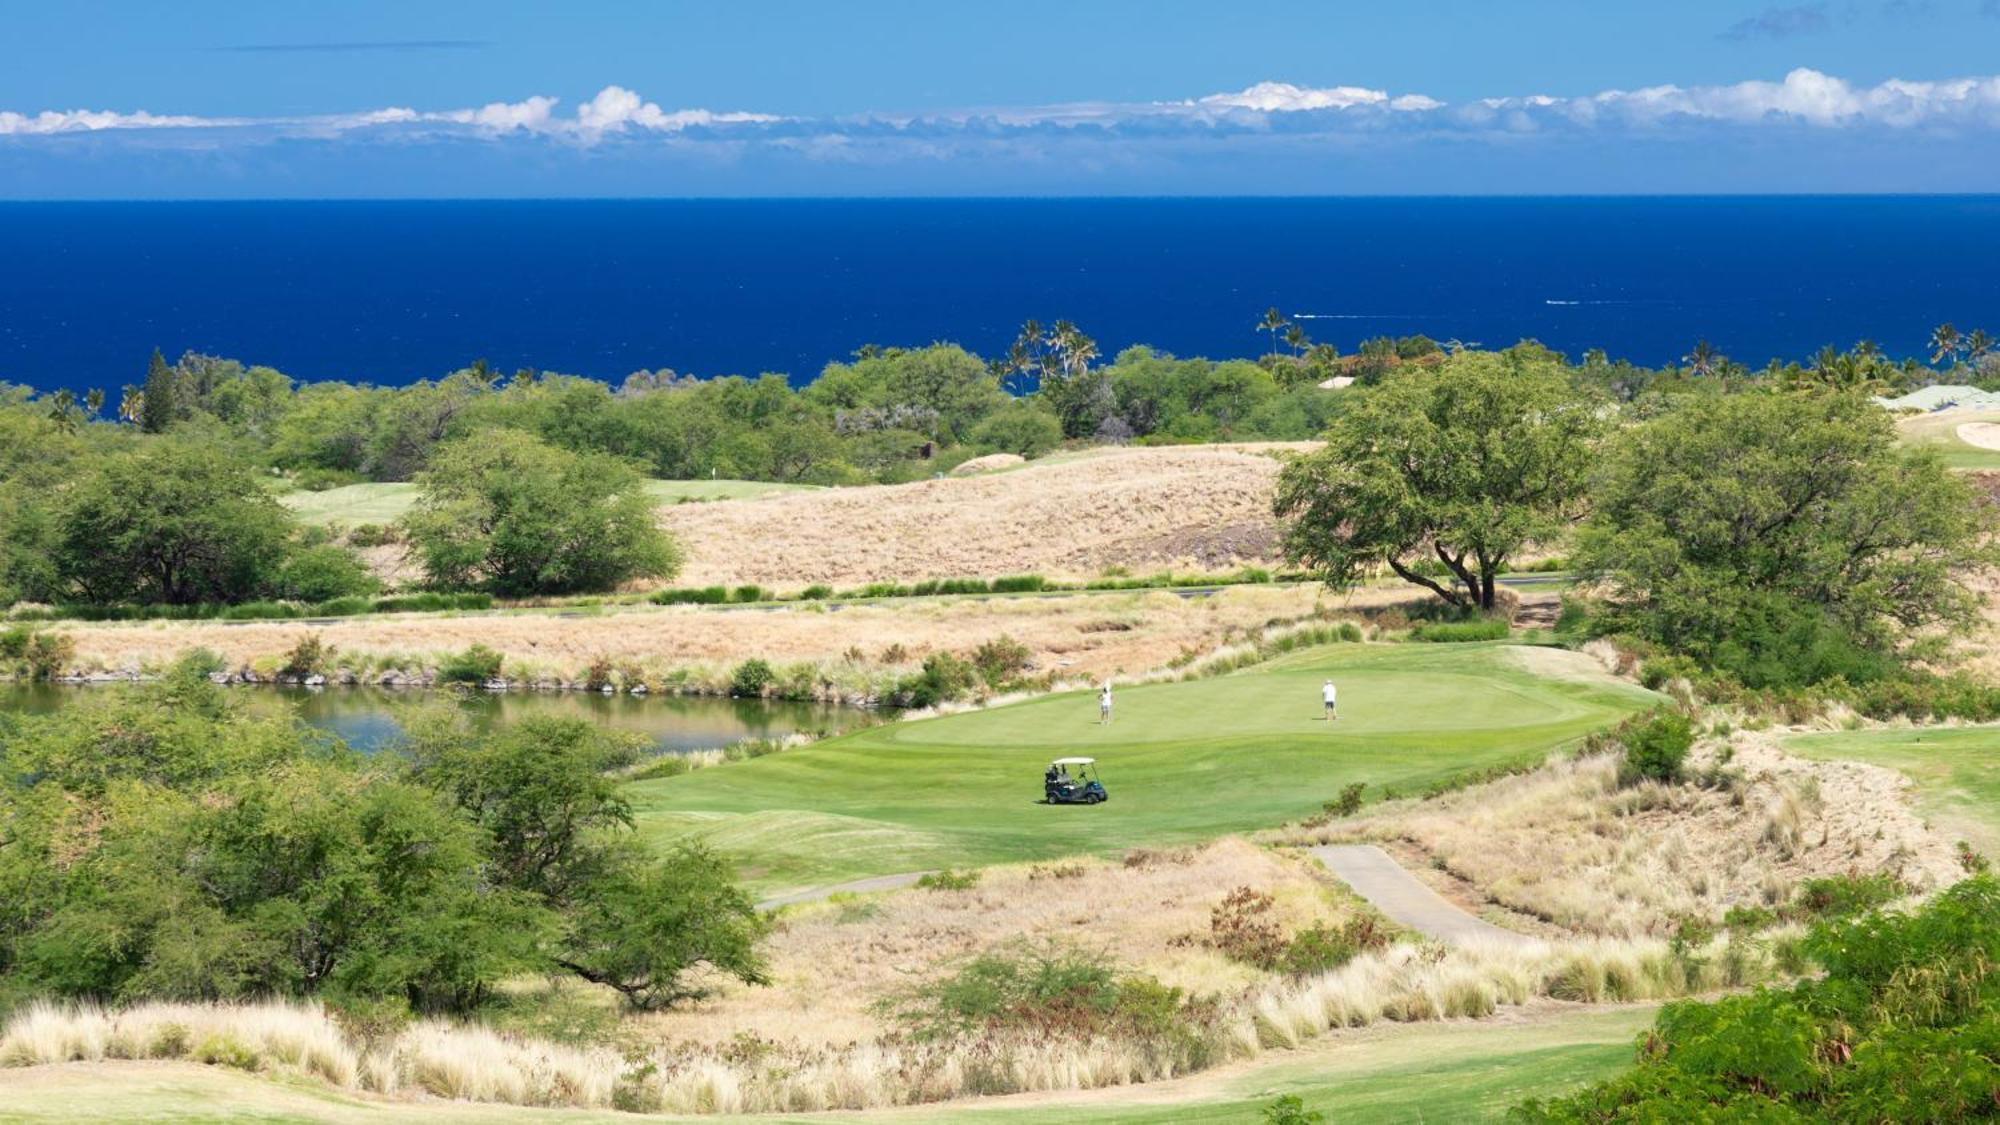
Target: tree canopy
x=515 y=515
x=165 y=842
x=1443 y=474
x=1782 y=537
x=177 y=523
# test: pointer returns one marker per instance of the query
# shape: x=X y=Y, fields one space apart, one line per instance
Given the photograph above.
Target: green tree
x=176 y=523
x=1019 y=427
x=159 y=404
x=510 y=513
x=1781 y=537
x=1466 y=463
x=644 y=928
x=540 y=790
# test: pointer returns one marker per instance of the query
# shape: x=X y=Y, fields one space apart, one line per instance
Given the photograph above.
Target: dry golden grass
x=1201 y=507
x=1085 y=635
x=1566 y=845
x=831 y=961
x=434 y=1060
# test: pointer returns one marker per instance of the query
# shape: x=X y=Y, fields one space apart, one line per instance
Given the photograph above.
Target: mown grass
x=1457 y=1073
x=384 y=503
x=1183 y=761
x=1956 y=771
x=1940 y=431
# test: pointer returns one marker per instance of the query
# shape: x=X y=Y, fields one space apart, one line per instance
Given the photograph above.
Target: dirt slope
x=1191 y=507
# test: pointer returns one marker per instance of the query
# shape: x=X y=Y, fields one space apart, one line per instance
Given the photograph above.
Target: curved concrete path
x=856 y=886
x=1377 y=877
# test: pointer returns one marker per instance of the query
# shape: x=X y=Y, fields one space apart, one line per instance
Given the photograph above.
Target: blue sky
x=448 y=98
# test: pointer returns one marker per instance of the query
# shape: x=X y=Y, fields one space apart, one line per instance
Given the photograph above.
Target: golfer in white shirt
x=1327 y=696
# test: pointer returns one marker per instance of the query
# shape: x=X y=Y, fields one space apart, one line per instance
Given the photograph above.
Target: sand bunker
x=1985 y=435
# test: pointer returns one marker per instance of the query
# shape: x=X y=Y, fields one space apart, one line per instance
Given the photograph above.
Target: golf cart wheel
x=1096 y=798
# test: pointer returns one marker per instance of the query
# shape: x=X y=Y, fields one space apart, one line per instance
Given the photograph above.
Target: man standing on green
x=1327 y=696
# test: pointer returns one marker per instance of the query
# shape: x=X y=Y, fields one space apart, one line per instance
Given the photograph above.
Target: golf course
x=1956 y=772
x=1182 y=761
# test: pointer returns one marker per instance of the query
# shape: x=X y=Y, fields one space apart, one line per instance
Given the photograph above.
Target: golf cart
x=1072 y=781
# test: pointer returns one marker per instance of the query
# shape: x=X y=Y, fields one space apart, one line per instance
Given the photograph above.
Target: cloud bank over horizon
x=1110 y=145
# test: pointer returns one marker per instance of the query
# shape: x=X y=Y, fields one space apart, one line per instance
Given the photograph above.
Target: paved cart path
x=1377 y=877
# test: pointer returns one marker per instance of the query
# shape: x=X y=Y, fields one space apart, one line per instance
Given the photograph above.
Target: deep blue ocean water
x=390 y=292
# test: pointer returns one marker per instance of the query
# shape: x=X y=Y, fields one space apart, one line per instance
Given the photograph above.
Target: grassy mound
x=1183 y=762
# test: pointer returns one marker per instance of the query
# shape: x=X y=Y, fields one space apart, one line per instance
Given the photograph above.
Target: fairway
x=1182 y=762
x=386 y=503
x=1956 y=771
x=1940 y=431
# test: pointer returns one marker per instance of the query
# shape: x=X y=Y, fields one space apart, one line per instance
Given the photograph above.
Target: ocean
x=391 y=292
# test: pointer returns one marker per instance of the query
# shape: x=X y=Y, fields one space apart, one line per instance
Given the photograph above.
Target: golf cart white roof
x=1074 y=762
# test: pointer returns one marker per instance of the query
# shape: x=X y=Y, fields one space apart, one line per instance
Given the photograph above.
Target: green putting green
x=1956 y=771
x=1181 y=761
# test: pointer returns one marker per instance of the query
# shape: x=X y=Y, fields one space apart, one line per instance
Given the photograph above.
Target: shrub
x=252 y=611
x=322 y=573
x=950 y=880
x=47 y=654
x=343 y=607
x=747 y=594
x=1240 y=928
x=1656 y=748
x=1899 y=1028
x=373 y=535
x=476 y=665
x=14 y=642
x=704 y=595
x=944 y=678
x=202 y=662
x=751 y=678
x=1450 y=632
x=1659 y=671
x=1321 y=949
x=1049 y=990
x=1000 y=659
x=816 y=593
x=307 y=658
x=1019 y=584
x=1289 y=1110
x=1349 y=801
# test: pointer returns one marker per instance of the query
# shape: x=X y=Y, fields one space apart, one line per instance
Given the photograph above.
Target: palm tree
x=1073 y=349
x=1704 y=359
x=93 y=401
x=131 y=404
x=1295 y=339
x=1272 y=322
x=1978 y=345
x=62 y=411
x=1945 y=341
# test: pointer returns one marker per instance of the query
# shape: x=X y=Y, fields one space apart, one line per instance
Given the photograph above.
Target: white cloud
x=1283 y=97
x=94 y=120
x=1804 y=96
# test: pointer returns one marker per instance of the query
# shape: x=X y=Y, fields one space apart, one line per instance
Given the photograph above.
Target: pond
x=368 y=718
